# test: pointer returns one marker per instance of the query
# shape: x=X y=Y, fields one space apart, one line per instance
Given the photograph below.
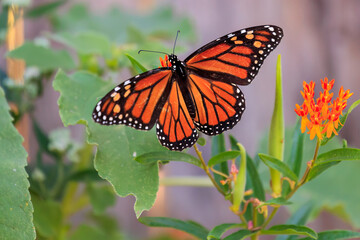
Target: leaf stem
x=206 y=168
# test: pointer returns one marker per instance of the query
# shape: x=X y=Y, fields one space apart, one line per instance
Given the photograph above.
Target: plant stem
x=206 y=168
x=270 y=217
x=186 y=181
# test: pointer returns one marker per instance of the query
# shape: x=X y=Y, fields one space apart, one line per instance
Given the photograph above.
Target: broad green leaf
x=275 y=201
x=336 y=235
x=223 y=157
x=46 y=59
x=278 y=165
x=86 y=42
x=331 y=158
x=101 y=197
x=277 y=131
x=217 y=147
x=240 y=235
x=15 y=205
x=219 y=230
x=85 y=175
x=299 y=217
x=290 y=230
x=342 y=121
x=47 y=217
x=154 y=157
x=187 y=226
x=116 y=145
x=138 y=67
x=43 y=9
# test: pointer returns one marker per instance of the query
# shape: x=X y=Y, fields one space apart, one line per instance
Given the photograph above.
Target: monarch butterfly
x=199 y=93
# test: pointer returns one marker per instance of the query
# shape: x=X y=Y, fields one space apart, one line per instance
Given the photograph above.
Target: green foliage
x=335 y=235
x=223 y=157
x=44 y=9
x=290 y=230
x=46 y=58
x=15 y=205
x=164 y=157
x=187 y=226
x=275 y=201
x=219 y=230
x=280 y=166
x=114 y=164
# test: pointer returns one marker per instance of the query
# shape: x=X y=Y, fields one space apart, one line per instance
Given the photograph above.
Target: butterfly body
x=197 y=94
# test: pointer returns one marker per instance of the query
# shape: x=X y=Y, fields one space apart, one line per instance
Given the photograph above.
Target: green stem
x=206 y=168
x=270 y=217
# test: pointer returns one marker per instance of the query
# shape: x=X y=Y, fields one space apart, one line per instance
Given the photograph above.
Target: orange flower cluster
x=324 y=114
x=165 y=62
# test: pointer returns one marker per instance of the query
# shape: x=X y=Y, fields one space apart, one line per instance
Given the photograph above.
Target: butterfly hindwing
x=175 y=127
x=218 y=105
x=235 y=57
x=136 y=102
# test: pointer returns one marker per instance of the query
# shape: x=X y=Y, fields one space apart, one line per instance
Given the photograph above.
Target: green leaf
x=47 y=217
x=300 y=217
x=85 y=175
x=258 y=187
x=240 y=235
x=154 y=157
x=201 y=141
x=290 y=230
x=116 y=145
x=187 y=226
x=331 y=158
x=44 y=9
x=277 y=131
x=15 y=205
x=46 y=59
x=223 y=157
x=275 y=201
x=218 y=146
x=336 y=235
x=138 y=68
x=278 y=165
x=342 y=121
x=101 y=197
x=296 y=155
x=86 y=42
x=219 y=230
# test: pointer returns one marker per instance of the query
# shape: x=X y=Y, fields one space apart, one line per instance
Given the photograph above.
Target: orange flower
x=165 y=62
x=324 y=115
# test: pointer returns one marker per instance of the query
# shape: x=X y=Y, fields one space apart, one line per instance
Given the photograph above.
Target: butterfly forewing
x=236 y=57
x=136 y=102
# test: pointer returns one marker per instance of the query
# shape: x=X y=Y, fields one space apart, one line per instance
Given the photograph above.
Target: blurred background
x=321 y=39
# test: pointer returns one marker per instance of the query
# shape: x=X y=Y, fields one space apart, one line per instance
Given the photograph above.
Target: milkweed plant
x=127 y=161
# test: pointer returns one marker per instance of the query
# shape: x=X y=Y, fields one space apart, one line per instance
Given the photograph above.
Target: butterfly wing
x=136 y=102
x=235 y=57
x=175 y=127
x=218 y=105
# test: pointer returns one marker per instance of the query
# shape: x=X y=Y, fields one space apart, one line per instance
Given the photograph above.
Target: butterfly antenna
x=177 y=34
x=152 y=52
